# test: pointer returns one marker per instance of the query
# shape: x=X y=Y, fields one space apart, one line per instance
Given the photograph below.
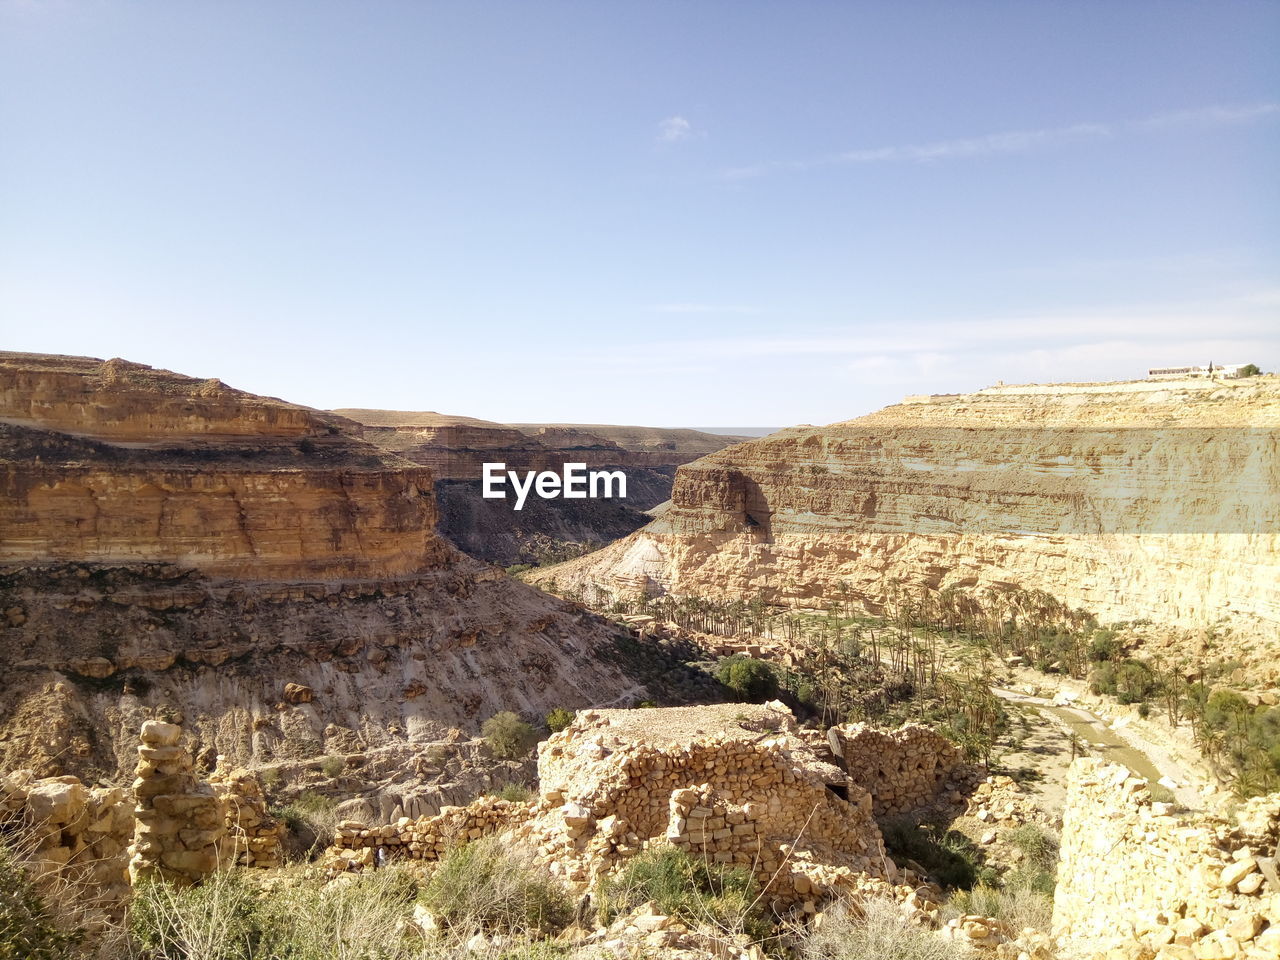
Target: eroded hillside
x=1155 y=500
x=173 y=546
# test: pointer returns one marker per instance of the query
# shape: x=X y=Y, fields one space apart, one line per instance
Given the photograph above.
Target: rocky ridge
x=1156 y=500
x=174 y=548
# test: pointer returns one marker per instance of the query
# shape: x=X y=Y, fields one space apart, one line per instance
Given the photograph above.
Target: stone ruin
x=903 y=769
x=1138 y=881
x=733 y=783
x=99 y=840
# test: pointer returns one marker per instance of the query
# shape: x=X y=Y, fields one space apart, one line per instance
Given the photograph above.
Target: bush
x=508 y=736
x=684 y=885
x=487 y=885
x=1129 y=681
x=750 y=680
x=312 y=820
x=27 y=928
x=226 y=918
x=333 y=766
x=515 y=792
x=950 y=857
x=558 y=719
x=876 y=931
x=214 y=921
x=1017 y=905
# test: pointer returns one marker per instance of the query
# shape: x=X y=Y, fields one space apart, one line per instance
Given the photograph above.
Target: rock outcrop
x=171 y=546
x=456 y=448
x=1157 y=500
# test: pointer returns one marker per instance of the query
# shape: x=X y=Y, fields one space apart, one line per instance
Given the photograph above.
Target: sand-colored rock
x=1156 y=500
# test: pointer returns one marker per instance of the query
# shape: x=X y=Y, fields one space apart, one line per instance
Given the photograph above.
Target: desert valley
x=992 y=673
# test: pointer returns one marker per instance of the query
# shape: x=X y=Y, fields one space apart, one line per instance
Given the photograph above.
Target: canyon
x=246 y=602
x=456 y=449
x=176 y=548
x=1134 y=500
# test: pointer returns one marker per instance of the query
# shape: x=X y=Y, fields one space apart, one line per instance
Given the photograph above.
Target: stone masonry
x=180 y=833
x=1138 y=881
x=902 y=770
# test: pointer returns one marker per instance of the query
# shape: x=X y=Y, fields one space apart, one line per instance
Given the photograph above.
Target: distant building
x=1226 y=370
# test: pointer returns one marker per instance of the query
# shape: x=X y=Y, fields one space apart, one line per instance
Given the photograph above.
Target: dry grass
x=877 y=930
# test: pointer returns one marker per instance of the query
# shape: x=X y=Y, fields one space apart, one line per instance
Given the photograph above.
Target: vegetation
x=558 y=719
x=947 y=855
x=228 y=918
x=515 y=792
x=750 y=680
x=311 y=820
x=488 y=885
x=333 y=766
x=1250 y=370
x=509 y=737
x=28 y=929
x=877 y=931
x=681 y=884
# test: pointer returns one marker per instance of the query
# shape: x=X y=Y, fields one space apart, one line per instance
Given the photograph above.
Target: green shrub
x=508 y=736
x=1017 y=904
x=688 y=886
x=1129 y=681
x=333 y=766
x=303 y=918
x=949 y=856
x=515 y=792
x=488 y=885
x=27 y=927
x=558 y=719
x=312 y=819
x=751 y=680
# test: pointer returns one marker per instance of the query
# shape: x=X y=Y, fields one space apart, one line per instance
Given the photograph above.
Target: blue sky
x=688 y=213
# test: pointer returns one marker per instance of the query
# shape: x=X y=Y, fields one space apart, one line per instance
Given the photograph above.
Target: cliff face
x=116 y=462
x=1132 y=500
x=173 y=545
x=456 y=448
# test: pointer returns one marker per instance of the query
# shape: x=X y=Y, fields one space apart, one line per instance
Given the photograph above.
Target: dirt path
x=1120 y=743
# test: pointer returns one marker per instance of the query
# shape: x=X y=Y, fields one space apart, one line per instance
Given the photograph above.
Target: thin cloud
x=1013 y=141
x=1211 y=116
x=674 y=129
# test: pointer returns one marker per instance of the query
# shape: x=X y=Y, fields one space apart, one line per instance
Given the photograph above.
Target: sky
x=688 y=213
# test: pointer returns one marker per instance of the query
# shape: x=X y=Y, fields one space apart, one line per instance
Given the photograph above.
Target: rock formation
x=1156 y=500
x=174 y=547
x=455 y=448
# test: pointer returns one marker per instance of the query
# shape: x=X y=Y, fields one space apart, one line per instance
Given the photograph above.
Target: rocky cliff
x=174 y=547
x=1156 y=500
x=456 y=448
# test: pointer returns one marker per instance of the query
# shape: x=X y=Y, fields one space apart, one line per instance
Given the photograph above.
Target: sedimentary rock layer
x=114 y=462
x=1152 y=500
x=456 y=448
x=173 y=546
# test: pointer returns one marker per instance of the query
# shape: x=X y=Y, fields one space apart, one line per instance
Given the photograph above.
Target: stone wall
x=903 y=769
x=732 y=783
x=70 y=836
x=256 y=837
x=1137 y=880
